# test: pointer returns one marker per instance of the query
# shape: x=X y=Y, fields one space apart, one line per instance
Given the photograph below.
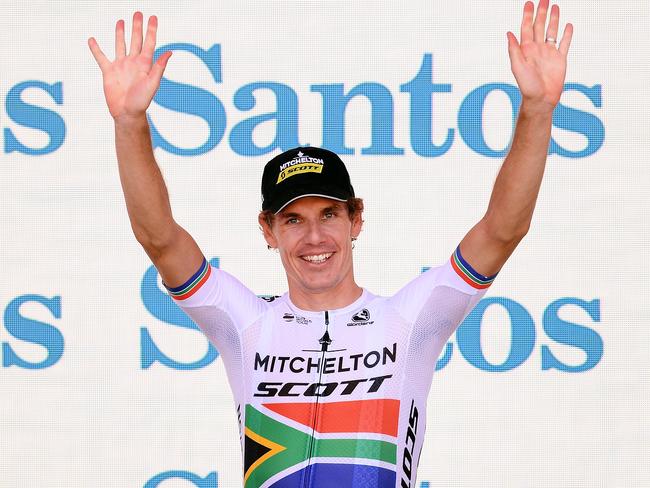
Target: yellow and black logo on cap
x=299 y=165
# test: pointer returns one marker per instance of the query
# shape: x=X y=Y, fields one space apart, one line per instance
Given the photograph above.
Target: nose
x=315 y=234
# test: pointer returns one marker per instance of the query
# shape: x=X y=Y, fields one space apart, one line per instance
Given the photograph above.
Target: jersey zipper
x=324 y=341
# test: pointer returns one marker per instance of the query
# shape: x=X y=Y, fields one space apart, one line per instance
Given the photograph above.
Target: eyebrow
x=286 y=215
x=334 y=206
x=329 y=208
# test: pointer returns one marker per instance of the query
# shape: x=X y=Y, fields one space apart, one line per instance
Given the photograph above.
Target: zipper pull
x=327 y=318
x=325 y=341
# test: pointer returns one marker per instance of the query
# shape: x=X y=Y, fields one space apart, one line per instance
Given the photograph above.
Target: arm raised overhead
x=130 y=83
x=539 y=66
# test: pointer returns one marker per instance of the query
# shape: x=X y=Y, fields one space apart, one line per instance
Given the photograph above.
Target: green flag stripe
x=293 y=439
x=356 y=448
x=469 y=274
x=296 y=443
x=191 y=285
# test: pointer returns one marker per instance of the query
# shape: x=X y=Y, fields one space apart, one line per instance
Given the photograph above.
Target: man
x=330 y=381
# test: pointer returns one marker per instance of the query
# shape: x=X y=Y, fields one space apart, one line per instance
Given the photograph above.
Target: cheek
x=285 y=260
x=286 y=242
x=345 y=233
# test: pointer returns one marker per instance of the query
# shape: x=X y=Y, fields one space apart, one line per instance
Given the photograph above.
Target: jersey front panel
x=326 y=392
x=334 y=398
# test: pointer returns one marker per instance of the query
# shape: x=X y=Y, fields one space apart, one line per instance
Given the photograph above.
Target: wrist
x=131 y=121
x=533 y=108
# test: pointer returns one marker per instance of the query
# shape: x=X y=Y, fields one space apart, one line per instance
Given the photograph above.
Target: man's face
x=313 y=236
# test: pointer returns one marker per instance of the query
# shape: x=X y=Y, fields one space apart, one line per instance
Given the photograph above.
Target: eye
x=292 y=220
x=329 y=215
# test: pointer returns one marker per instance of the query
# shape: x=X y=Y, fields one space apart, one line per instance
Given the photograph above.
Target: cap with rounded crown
x=303 y=172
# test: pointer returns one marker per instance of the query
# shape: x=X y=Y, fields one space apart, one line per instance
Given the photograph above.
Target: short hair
x=354 y=206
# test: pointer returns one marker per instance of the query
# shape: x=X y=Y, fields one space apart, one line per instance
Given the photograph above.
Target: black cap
x=303 y=172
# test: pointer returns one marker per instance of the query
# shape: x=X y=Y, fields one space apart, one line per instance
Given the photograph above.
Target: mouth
x=317 y=258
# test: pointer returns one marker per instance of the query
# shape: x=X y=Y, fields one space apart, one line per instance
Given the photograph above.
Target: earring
x=353 y=239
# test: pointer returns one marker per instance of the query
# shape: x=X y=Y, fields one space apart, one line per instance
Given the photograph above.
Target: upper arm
x=218 y=303
x=178 y=258
x=455 y=274
x=485 y=250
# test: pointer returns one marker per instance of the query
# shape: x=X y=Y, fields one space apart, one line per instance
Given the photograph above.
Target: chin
x=319 y=285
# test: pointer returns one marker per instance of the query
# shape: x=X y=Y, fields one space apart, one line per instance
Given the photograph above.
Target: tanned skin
x=131 y=80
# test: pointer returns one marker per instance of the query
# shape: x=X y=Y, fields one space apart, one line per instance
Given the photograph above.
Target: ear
x=269 y=237
x=357 y=224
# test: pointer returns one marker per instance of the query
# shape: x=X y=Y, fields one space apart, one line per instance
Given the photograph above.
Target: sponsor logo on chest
x=362 y=317
x=291 y=317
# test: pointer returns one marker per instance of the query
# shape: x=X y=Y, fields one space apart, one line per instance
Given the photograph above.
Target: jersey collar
x=359 y=302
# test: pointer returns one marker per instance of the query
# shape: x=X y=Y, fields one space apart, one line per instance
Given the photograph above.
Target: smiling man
x=330 y=381
x=310 y=215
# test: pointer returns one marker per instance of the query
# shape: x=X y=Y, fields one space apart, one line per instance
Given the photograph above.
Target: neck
x=326 y=300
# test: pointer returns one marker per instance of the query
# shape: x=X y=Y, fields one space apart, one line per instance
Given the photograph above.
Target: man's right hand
x=131 y=81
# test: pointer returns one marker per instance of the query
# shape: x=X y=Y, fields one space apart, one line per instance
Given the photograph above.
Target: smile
x=318 y=258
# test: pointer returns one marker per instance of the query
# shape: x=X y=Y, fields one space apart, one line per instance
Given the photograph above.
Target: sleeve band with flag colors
x=469 y=274
x=192 y=285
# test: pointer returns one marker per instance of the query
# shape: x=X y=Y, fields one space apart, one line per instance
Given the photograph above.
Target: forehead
x=311 y=204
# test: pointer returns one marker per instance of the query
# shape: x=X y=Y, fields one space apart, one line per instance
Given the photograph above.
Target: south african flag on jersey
x=352 y=443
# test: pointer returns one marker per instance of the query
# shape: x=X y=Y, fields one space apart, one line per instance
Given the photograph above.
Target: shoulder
x=455 y=276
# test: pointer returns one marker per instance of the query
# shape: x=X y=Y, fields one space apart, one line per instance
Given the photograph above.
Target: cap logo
x=298 y=165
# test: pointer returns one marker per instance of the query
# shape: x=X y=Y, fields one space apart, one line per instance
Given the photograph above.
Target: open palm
x=538 y=65
x=131 y=81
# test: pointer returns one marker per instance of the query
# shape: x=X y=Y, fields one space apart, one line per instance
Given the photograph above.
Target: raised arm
x=130 y=83
x=539 y=66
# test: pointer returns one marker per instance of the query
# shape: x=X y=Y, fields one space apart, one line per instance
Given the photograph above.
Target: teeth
x=318 y=258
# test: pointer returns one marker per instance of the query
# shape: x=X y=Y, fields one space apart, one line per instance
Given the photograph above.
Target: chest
x=344 y=356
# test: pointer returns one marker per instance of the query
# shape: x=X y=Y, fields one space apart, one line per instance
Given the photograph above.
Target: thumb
x=514 y=51
x=158 y=67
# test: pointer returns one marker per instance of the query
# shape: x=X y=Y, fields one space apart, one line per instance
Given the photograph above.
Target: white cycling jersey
x=334 y=398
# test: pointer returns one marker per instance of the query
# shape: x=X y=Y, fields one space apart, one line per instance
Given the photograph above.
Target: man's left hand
x=538 y=62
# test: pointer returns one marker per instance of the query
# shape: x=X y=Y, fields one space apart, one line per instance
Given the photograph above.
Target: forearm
x=517 y=185
x=539 y=66
x=130 y=83
x=145 y=193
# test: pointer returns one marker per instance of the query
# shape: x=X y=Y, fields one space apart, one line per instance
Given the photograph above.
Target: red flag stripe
x=374 y=416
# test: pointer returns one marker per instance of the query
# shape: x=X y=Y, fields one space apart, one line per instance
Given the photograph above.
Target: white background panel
x=97 y=418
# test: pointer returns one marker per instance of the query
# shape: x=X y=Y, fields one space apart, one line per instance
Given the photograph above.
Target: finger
x=158 y=67
x=98 y=54
x=527 y=23
x=514 y=51
x=540 y=20
x=120 y=45
x=136 y=36
x=553 y=23
x=150 y=40
x=565 y=43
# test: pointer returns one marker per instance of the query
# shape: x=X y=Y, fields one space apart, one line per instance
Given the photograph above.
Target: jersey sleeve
x=214 y=289
x=454 y=285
